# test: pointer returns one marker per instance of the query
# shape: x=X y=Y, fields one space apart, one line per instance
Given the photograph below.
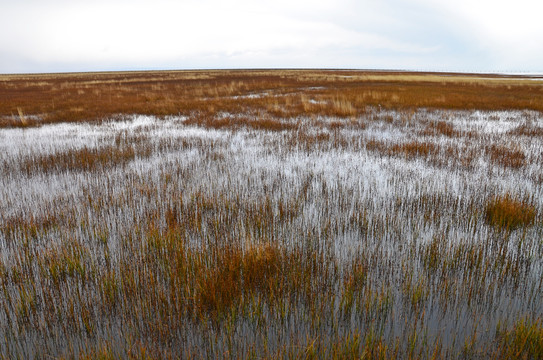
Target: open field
x=271 y=214
x=50 y=98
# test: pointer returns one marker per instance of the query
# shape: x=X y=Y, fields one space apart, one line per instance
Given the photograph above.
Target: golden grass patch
x=506 y=212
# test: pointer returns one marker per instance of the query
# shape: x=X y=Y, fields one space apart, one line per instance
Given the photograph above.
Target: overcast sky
x=439 y=35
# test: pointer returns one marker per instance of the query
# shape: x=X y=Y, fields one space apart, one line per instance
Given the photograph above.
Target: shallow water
x=435 y=267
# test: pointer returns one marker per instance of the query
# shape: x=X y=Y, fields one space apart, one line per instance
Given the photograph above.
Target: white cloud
x=242 y=33
x=510 y=32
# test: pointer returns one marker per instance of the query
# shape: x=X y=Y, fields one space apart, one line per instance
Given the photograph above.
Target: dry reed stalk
x=22 y=117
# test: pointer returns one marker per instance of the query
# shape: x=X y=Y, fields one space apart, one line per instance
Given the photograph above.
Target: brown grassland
x=49 y=98
x=281 y=214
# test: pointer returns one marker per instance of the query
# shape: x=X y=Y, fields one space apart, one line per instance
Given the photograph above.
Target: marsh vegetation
x=297 y=221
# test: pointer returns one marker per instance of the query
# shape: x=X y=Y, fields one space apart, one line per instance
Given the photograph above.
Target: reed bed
x=383 y=233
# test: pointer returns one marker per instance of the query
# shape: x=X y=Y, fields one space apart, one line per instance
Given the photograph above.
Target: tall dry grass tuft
x=505 y=212
x=22 y=117
x=342 y=107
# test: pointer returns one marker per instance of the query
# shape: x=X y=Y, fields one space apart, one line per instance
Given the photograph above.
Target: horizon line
x=369 y=70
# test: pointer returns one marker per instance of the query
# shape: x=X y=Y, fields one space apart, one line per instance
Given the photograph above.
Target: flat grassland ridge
x=271 y=214
x=49 y=98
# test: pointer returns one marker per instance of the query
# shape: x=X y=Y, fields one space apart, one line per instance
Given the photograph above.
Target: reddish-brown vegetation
x=505 y=212
x=507 y=157
x=28 y=100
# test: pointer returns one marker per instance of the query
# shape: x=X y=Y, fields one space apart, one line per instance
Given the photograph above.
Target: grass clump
x=414 y=149
x=505 y=212
x=441 y=128
x=506 y=157
x=524 y=341
x=85 y=159
x=234 y=274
